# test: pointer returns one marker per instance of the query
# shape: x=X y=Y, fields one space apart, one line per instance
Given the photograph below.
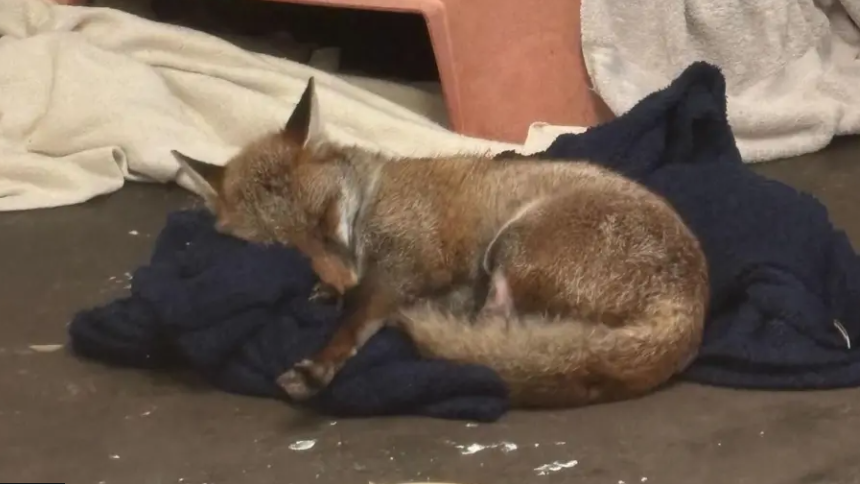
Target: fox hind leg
x=499 y=301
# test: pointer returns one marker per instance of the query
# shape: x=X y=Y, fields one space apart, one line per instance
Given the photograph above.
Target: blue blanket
x=785 y=284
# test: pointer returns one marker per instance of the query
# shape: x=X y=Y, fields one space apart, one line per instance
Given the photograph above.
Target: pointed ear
x=304 y=123
x=207 y=177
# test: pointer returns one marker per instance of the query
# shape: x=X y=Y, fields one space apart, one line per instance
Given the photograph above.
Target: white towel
x=91 y=97
x=791 y=66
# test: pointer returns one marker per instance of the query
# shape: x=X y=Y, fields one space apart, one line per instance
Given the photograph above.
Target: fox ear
x=304 y=123
x=207 y=177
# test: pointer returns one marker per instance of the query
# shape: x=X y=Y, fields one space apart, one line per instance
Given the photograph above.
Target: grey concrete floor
x=63 y=419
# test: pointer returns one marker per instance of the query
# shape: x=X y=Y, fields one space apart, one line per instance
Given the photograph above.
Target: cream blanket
x=791 y=66
x=91 y=97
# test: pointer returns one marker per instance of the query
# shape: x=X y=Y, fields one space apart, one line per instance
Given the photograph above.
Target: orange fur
x=597 y=289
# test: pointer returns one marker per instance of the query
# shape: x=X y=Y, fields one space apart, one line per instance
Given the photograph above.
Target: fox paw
x=306 y=379
x=325 y=294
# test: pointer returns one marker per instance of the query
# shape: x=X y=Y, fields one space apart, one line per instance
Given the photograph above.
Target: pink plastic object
x=503 y=64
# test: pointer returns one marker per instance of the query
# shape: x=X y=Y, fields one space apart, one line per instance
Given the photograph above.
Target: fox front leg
x=368 y=305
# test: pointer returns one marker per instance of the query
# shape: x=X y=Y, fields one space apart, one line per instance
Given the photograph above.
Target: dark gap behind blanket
x=378 y=44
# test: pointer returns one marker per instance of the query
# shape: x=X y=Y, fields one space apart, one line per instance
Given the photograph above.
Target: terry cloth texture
x=791 y=67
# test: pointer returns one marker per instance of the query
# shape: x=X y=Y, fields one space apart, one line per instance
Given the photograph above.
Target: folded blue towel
x=784 y=282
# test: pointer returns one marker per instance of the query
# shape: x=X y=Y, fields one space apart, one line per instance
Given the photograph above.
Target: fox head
x=286 y=188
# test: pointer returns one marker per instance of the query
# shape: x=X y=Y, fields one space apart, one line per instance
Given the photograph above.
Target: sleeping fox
x=576 y=285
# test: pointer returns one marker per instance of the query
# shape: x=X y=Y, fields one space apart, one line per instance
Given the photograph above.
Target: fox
x=575 y=284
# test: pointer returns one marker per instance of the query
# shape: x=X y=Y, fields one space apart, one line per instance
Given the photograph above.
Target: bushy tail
x=565 y=363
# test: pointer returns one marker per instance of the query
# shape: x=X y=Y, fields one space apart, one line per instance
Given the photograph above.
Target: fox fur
x=575 y=284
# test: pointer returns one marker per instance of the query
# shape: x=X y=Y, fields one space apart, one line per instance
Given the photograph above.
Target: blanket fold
x=91 y=97
x=784 y=282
